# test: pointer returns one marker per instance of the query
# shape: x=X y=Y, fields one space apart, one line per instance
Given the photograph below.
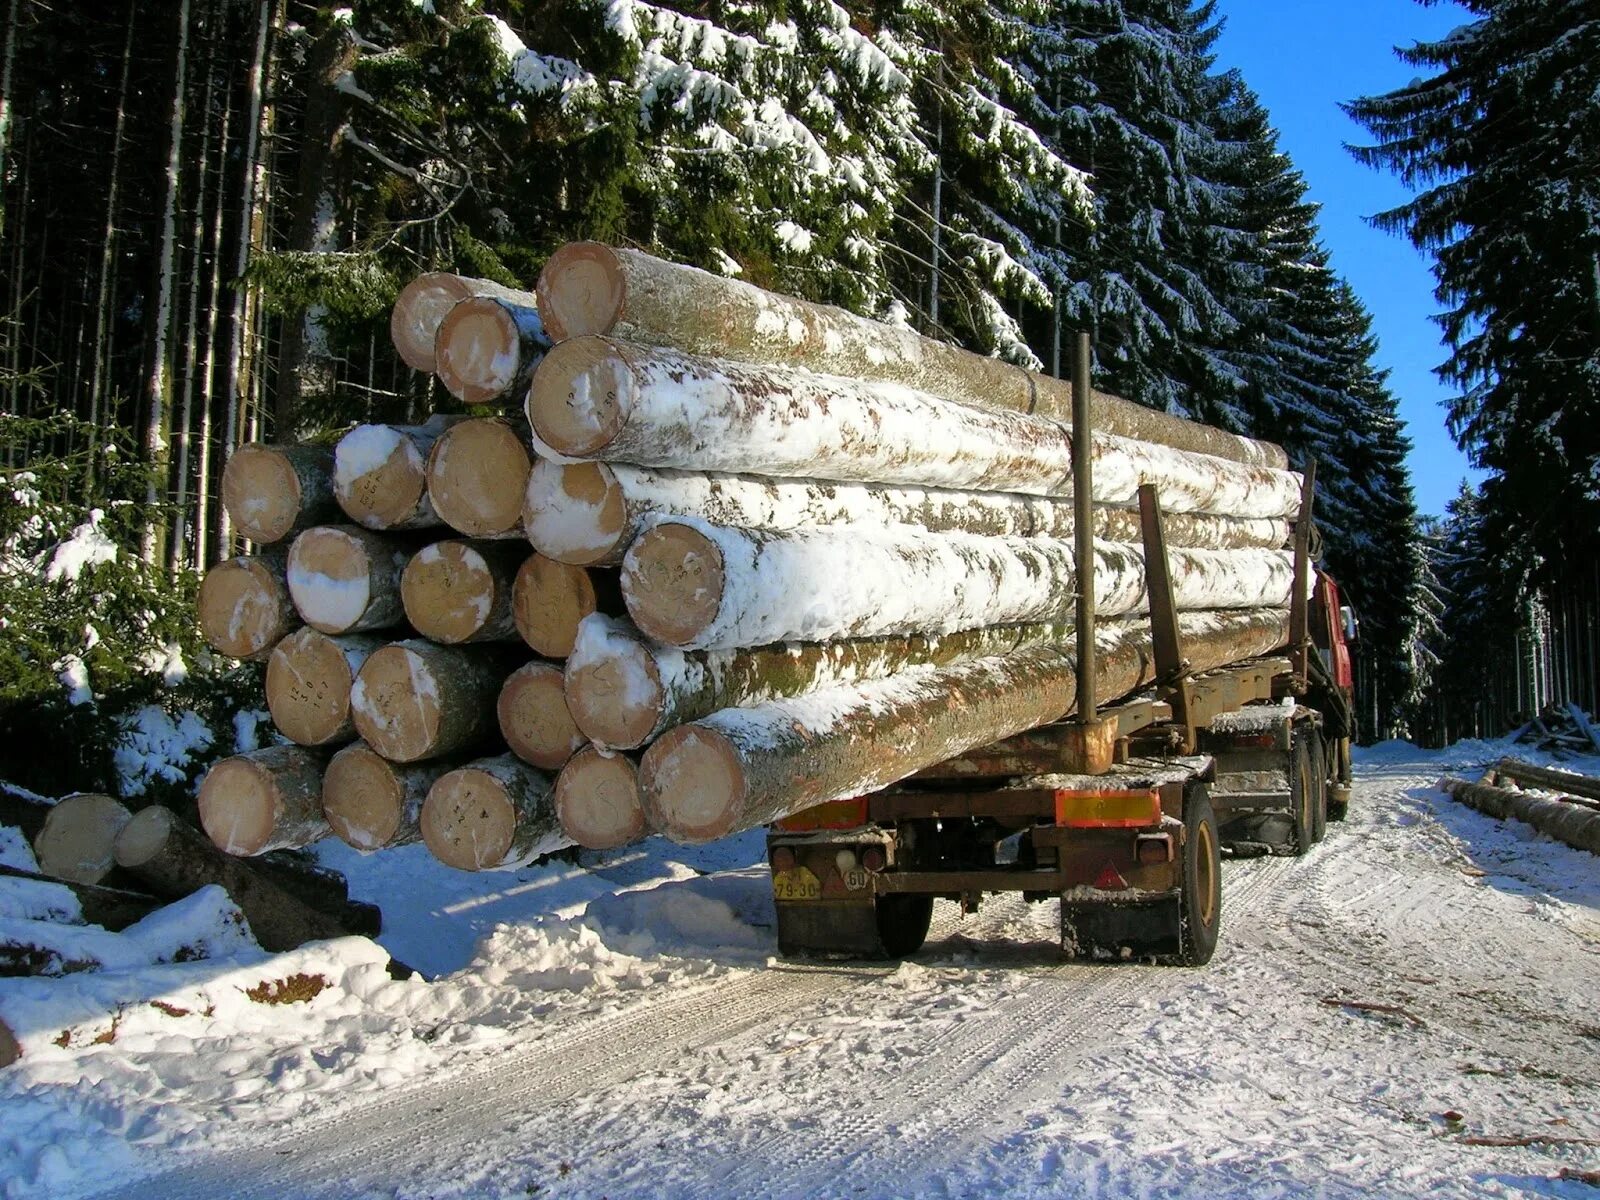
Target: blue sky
x=1303 y=57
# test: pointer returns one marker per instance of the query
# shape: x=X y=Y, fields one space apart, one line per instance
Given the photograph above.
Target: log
x=309 y=677
x=486 y=349
x=589 y=513
x=478 y=476
x=551 y=599
x=372 y=803
x=380 y=474
x=112 y=908
x=589 y=288
x=534 y=718
x=23 y=810
x=345 y=579
x=598 y=800
x=491 y=814
x=1543 y=777
x=75 y=841
x=598 y=398
x=268 y=799
x=745 y=767
x=271 y=492
x=175 y=860
x=245 y=606
x=624 y=691
x=702 y=586
x=426 y=301
x=10 y=1048
x=458 y=591
x=1577 y=826
x=415 y=700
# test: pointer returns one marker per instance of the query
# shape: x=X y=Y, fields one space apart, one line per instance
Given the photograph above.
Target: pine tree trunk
x=415 y=700
x=244 y=606
x=598 y=800
x=77 y=838
x=344 y=579
x=587 y=288
x=372 y=803
x=534 y=718
x=457 y=591
x=269 y=799
x=423 y=305
x=204 y=500
x=380 y=474
x=491 y=814
x=309 y=677
x=271 y=492
x=551 y=599
x=478 y=476
x=486 y=350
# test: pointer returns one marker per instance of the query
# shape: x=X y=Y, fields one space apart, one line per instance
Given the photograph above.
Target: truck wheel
x=1302 y=795
x=1319 y=776
x=903 y=921
x=1200 y=893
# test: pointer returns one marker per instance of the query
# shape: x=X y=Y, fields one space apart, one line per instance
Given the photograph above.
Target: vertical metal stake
x=1083 y=529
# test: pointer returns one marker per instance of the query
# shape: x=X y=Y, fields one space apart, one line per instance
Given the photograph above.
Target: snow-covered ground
x=1426 y=977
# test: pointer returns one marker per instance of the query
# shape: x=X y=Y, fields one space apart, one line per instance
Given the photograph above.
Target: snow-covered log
x=268 y=799
x=309 y=677
x=380 y=474
x=244 y=604
x=550 y=600
x=598 y=801
x=744 y=767
x=478 y=476
x=77 y=836
x=486 y=349
x=372 y=803
x=534 y=718
x=491 y=814
x=345 y=579
x=703 y=586
x=604 y=399
x=459 y=591
x=589 y=288
x=271 y=492
x=415 y=700
x=425 y=302
x=589 y=513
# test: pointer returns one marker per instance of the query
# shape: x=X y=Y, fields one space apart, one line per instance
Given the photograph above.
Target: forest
x=208 y=207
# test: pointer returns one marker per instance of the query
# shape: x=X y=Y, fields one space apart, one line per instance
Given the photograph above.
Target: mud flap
x=821 y=927
x=1142 y=929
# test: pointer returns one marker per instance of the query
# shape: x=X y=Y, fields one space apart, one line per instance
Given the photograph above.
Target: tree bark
x=111 y=908
x=271 y=492
x=372 y=803
x=745 y=767
x=78 y=834
x=703 y=586
x=380 y=474
x=598 y=800
x=268 y=799
x=1574 y=824
x=423 y=305
x=415 y=700
x=344 y=579
x=551 y=599
x=244 y=605
x=457 y=591
x=486 y=350
x=478 y=476
x=309 y=677
x=534 y=719
x=587 y=288
x=491 y=814
x=23 y=810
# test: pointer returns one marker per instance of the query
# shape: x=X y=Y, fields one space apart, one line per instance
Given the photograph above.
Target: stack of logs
x=780 y=554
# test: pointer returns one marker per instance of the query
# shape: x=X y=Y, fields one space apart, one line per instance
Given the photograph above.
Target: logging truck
x=1122 y=813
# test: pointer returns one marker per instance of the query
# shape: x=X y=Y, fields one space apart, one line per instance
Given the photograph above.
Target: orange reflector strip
x=1108 y=810
x=836 y=814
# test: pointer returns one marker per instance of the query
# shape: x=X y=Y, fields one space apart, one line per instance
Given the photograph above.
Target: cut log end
x=673 y=580
x=478 y=476
x=618 y=700
x=144 y=837
x=364 y=798
x=575 y=513
x=244 y=608
x=469 y=820
x=308 y=688
x=693 y=785
x=76 y=840
x=379 y=476
x=534 y=718
x=477 y=350
x=261 y=492
x=549 y=600
x=580 y=396
x=448 y=590
x=422 y=305
x=582 y=290
x=598 y=800
x=238 y=804
x=396 y=704
x=330 y=578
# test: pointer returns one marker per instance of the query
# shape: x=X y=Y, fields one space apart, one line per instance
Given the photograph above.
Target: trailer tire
x=1302 y=794
x=1319 y=774
x=1200 y=893
x=903 y=921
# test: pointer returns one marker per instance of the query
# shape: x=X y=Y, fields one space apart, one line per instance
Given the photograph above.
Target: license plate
x=796 y=884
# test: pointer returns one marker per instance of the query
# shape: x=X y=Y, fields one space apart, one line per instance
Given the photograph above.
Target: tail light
x=1154 y=848
x=873 y=859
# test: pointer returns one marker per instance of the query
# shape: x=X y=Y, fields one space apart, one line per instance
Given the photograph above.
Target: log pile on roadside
x=723 y=556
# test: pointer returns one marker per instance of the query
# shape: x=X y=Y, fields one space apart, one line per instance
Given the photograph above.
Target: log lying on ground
x=534 y=718
x=598 y=800
x=22 y=809
x=175 y=860
x=77 y=836
x=268 y=799
x=600 y=398
x=425 y=302
x=589 y=513
x=1586 y=786
x=244 y=604
x=744 y=767
x=109 y=907
x=372 y=803
x=458 y=591
x=550 y=600
x=588 y=288
x=380 y=474
x=309 y=677
x=478 y=476
x=10 y=1048
x=705 y=586
x=271 y=492
x=345 y=579
x=415 y=700
x=486 y=349
x=491 y=814
x=1574 y=824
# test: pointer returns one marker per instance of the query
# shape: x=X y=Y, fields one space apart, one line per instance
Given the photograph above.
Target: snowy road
x=1424 y=978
